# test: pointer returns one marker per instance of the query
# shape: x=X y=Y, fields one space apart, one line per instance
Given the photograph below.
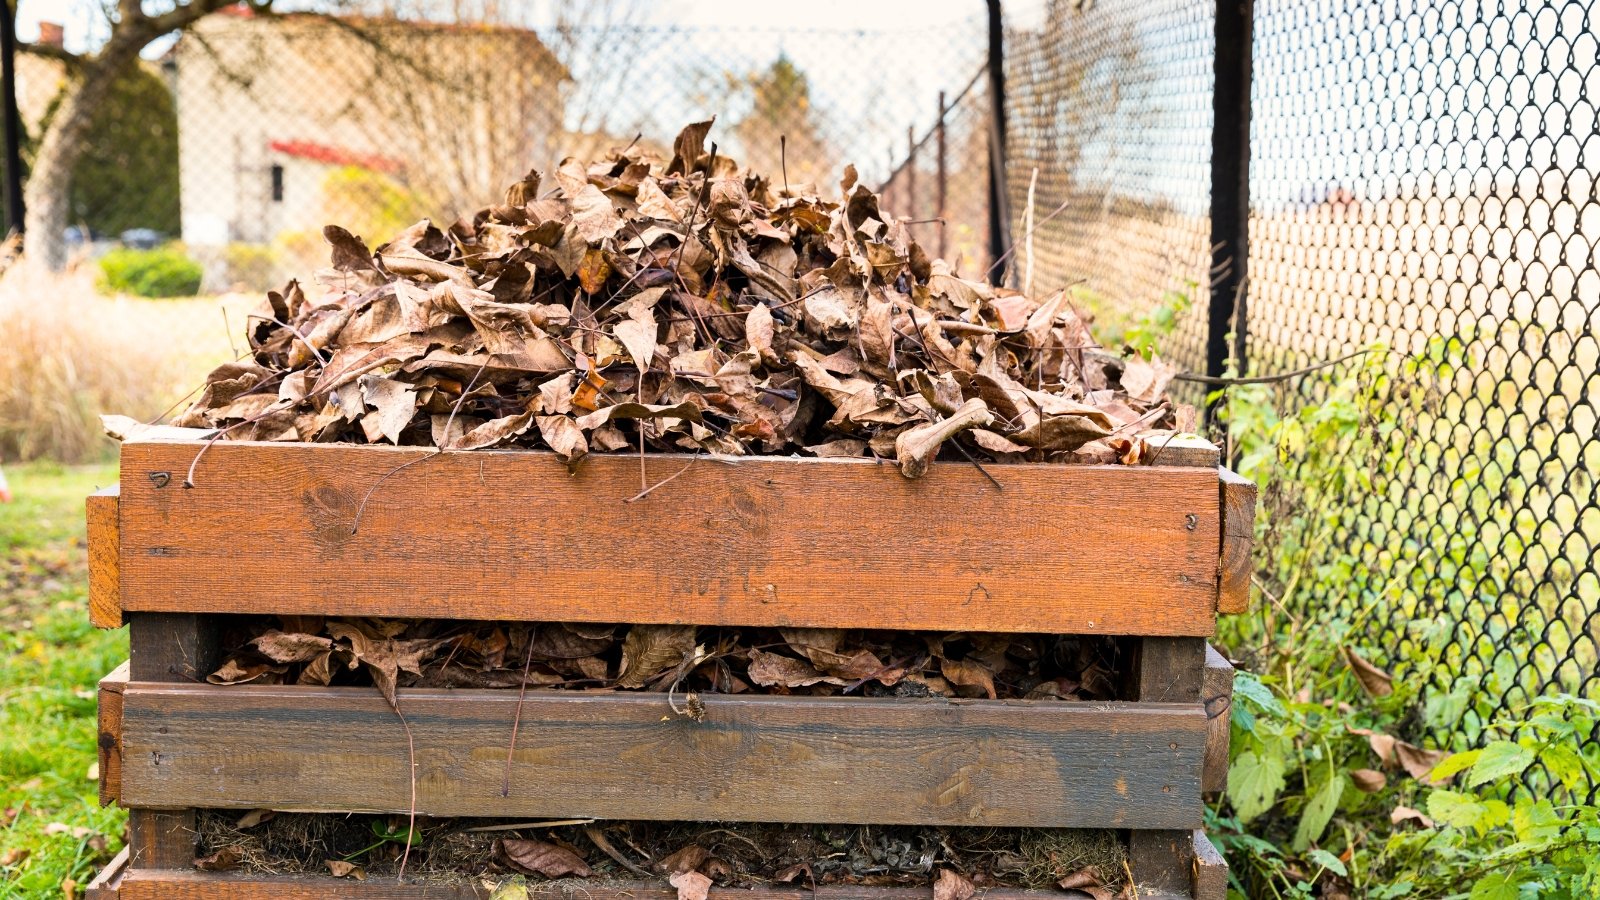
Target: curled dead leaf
x=535 y=857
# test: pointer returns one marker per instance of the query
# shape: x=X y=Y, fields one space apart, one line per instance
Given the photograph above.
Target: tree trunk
x=45 y=246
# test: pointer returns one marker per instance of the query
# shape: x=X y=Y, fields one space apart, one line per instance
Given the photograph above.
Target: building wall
x=461 y=112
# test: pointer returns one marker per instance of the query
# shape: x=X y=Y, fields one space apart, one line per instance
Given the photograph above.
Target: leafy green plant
x=163 y=272
x=1332 y=790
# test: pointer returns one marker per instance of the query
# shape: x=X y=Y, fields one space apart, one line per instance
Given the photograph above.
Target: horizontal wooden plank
x=105 y=594
x=107 y=884
x=628 y=756
x=176 y=885
x=1234 y=566
x=1210 y=870
x=756 y=541
x=109 y=738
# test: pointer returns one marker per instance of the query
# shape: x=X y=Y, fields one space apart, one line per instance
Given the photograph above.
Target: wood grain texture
x=105 y=885
x=177 y=648
x=209 y=886
x=627 y=756
x=1238 y=537
x=161 y=839
x=1217 y=694
x=1184 y=450
x=756 y=541
x=1167 y=670
x=105 y=596
x=1210 y=870
x=109 y=734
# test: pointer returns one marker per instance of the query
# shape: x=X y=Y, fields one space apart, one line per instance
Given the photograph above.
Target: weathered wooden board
x=165 y=647
x=1167 y=670
x=1210 y=870
x=109 y=737
x=1238 y=536
x=627 y=756
x=106 y=885
x=176 y=885
x=1217 y=694
x=105 y=595
x=346 y=530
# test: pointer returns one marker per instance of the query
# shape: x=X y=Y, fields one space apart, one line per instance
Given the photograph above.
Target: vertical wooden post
x=173 y=647
x=1166 y=670
x=943 y=176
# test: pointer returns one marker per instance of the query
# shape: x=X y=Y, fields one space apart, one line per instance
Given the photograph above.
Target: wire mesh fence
x=1108 y=110
x=1421 y=174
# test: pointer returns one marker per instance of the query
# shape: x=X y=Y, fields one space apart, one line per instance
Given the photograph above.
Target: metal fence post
x=1230 y=187
x=943 y=175
x=12 y=119
x=999 y=217
x=911 y=172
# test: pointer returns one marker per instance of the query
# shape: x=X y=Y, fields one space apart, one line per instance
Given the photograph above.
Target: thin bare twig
x=516 y=720
x=1270 y=379
x=650 y=489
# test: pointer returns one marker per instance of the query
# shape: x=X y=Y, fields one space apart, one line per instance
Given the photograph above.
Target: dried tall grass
x=69 y=354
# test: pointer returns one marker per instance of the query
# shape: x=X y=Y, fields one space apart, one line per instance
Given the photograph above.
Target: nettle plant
x=1326 y=796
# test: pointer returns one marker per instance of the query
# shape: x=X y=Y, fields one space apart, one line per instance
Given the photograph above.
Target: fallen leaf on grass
x=535 y=857
x=1369 y=781
x=1407 y=814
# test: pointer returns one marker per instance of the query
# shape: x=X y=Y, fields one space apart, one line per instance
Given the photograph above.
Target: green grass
x=52 y=659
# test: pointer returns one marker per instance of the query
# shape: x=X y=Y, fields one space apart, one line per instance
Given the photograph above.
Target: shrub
x=251 y=267
x=163 y=272
x=70 y=356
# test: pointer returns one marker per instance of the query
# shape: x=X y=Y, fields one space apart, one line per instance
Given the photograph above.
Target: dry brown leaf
x=952 y=886
x=687 y=858
x=690 y=885
x=535 y=857
x=650 y=650
x=768 y=669
x=969 y=673
x=223 y=860
x=285 y=647
x=1369 y=781
x=1374 y=680
x=1407 y=814
x=1419 y=763
x=339 y=868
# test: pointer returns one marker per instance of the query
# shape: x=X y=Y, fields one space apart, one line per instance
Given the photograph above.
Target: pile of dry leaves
x=688 y=306
x=685 y=659
x=691 y=856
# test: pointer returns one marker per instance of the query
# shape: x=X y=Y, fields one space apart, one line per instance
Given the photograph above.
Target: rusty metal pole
x=911 y=172
x=943 y=175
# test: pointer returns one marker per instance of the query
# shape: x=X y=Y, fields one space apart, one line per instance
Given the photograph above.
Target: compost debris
x=685 y=306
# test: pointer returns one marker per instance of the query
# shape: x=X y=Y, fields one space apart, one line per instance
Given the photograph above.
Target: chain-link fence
x=1422 y=175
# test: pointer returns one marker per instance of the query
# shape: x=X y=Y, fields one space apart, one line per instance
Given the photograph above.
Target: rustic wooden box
x=1153 y=552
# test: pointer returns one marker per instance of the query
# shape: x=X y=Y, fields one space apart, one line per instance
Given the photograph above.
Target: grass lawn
x=53 y=832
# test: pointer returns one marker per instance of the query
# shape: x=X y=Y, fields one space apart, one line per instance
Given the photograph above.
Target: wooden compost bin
x=1152 y=553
